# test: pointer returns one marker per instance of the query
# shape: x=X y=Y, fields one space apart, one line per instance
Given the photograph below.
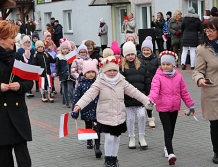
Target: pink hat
x=147 y=43
x=26 y=38
x=46 y=33
x=64 y=45
x=62 y=40
x=115 y=47
x=90 y=65
x=134 y=35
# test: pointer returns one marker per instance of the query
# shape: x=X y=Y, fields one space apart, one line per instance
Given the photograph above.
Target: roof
x=107 y=2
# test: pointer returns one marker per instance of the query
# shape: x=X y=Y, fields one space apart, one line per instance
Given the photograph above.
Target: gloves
x=150 y=105
x=191 y=111
x=74 y=115
x=177 y=33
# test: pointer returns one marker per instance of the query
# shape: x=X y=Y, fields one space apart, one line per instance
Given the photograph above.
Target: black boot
x=114 y=162
x=98 y=152
x=89 y=144
x=215 y=158
x=107 y=162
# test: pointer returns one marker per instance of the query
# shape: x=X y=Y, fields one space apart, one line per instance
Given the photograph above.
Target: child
x=88 y=114
x=43 y=59
x=35 y=37
x=167 y=89
x=116 y=49
x=47 y=36
x=92 y=50
x=63 y=71
x=111 y=112
x=27 y=53
x=18 y=40
x=136 y=74
x=151 y=61
x=73 y=46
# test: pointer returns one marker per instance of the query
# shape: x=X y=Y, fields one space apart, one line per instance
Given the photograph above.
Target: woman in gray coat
x=102 y=33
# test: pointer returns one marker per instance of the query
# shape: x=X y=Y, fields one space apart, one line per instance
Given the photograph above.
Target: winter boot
x=132 y=143
x=143 y=144
x=114 y=161
x=89 y=144
x=49 y=98
x=165 y=152
x=107 y=162
x=151 y=123
x=98 y=152
x=44 y=99
x=215 y=158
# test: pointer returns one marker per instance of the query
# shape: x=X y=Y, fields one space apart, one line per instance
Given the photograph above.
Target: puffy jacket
x=165 y=27
x=167 y=92
x=158 y=28
x=173 y=27
x=111 y=108
x=58 y=33
x=96 y=54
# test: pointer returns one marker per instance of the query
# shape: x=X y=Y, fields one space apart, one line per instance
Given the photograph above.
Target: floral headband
x=167 y=52
x=117 y=61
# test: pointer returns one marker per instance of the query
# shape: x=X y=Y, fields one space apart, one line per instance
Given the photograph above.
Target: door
x=120 y=32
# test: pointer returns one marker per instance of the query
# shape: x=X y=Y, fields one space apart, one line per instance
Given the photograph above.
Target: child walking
x=167 y=89
x=43 y=59
x=111 y=112
x=88 y=114
x=136 y=74
x=148 y=58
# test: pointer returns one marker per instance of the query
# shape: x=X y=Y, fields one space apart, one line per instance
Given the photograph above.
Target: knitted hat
x=191 y=10
x=214 y=11
x=169 y=13
x=46 y=33
x=64 y=45
x=115 y=47
x=26 y=38
x=102 y=20
x=35 y=34
x=18 y=37
x=90 y=65
x=168 y=56
x=107 y=52
x=82 y=47
x=39 y=43
x=128 y=48
x=110 y=63
x=147 y=43
x=134 y=35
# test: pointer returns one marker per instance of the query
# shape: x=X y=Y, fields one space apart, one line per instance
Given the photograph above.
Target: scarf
x=84 y=57
x=8 y=56
x=112 y=81
x=27 y=51
x=214 y=45
x=170 y=73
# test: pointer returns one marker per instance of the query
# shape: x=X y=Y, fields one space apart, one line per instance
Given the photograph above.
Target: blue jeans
x=67 y=88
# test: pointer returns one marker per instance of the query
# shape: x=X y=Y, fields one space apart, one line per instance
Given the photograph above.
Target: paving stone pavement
x=191 y=141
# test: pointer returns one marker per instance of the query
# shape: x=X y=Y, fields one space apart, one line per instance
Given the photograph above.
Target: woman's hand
x=4 y=87
x=76 y=109
x=201 y=82
x=15 y=86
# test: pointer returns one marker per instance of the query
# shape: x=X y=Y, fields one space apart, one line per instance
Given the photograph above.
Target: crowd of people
x=94 y=84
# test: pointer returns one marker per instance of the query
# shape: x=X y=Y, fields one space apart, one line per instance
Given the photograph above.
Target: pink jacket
x=167 y=92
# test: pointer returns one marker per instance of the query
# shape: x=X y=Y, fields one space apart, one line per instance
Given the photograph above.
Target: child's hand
x=150 y=105
x=76 y=109
x=54 y=74
x=191 y=111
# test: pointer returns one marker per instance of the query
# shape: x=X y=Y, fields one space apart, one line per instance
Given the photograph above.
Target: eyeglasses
x=210 y=31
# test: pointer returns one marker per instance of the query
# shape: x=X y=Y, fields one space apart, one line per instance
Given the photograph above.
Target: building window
x=68 y=28
x=143 y=12
x=46 y=1
x=47 y=17
x=123 y=13
x=198 y=5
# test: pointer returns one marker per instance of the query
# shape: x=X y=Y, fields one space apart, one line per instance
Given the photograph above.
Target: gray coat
x=173 y=27
x=104 y=36
x=130 y=26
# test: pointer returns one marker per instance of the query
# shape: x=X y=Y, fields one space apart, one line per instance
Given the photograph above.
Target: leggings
x=111 y=145
x=214 y=135
x=192 y=55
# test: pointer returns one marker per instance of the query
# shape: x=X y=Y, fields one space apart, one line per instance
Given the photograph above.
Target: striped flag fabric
x=71 y=56
x=86 y=134
x=63 y=131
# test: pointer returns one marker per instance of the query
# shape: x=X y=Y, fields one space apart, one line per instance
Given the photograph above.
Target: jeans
x=67 y=87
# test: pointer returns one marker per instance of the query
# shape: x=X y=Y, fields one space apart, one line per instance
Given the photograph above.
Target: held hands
x=150 y=105
x=177 y=33
x=4 y=87
x=191 y=111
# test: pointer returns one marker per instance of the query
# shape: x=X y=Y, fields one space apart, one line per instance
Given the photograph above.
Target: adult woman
x=15 y=129
x=103 y=31
x=190 y=27
x=158 y=24
x=206 y=67
x=176 y=32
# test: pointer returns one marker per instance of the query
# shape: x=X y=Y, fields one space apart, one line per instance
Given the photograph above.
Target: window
x=123 y=13
x=47 y=17
x=144 y=13
x=198 y=5
x=46 y=1
x=68 y=28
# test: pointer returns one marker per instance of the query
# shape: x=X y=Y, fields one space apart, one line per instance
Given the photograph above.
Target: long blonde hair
x=125 y=64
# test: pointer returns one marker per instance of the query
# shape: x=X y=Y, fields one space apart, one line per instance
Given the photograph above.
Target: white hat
x=128 y=48
x=102 y=20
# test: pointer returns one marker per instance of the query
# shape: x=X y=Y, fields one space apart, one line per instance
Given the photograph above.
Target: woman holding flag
x=15 y=129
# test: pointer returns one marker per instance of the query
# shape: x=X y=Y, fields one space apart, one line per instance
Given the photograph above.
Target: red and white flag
x=26 y=71
x=206 y=18
x=35 y=23
x=86 y=134
x=165 y=38
x=49 y=77
x=41 y=82
x=63 y=125
x=25 y=59
x=71 y=56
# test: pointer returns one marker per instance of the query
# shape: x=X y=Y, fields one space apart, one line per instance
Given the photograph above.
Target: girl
x=62 y=69
x=27 y=52
x=111 y=112
x=43 y=59
x=167 y=89
x=136 y=74
x=47 y=36
x=92 y=50
x=88 y=114
x=151 y=61
x=116 y=49
x=35 y=37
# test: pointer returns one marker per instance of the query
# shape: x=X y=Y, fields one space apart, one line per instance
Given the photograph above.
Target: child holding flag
x=88 y=114
x=111 y=113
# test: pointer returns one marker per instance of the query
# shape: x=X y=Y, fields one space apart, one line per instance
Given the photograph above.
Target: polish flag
x=86 y=134
x=25 y=59
x=35 y=23
x=71 y=57
x=26 y=71
x=19 y=23
x=206 y=18
x=49 y=77
x=63 y=125
x=41 y=82
x=165 y=38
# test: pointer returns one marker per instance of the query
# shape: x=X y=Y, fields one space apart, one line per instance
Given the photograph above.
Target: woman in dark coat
x=15 y=129
x=191 y=27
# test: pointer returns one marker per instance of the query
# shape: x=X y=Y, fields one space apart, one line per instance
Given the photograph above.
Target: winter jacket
x=173 y=27
x=89 y=112
x=43 y=59
x=96 y=54
x=111 y=108
x=58 y=33
x=130 y=26
x=139 y=79
x=23 y=29
x=167 y=92
x=165 y=27
x=52 y=65
x=103 y=35
x=206 y=64
x=62 y=68
x=152 y=63
x=158 y=28
x=33 y=45
x=191 y=25
x=30 y=28
x=21 y=51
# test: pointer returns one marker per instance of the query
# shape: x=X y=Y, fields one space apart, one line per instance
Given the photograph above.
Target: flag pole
x=76 y=123
x=11 y=78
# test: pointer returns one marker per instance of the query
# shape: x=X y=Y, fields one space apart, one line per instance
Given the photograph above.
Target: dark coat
x=173 y=27
x=40 y=59
x=152 y=63
x=89 y=112
x=32 y=52
x=30 y=28
x=138 y=78
x=58 y=33
x=191 y=26
x=14 y=120
x=158 y=28
x=96 y=54
x=23 y=29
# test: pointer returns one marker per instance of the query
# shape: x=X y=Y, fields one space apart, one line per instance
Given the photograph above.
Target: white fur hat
x=102 y=20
